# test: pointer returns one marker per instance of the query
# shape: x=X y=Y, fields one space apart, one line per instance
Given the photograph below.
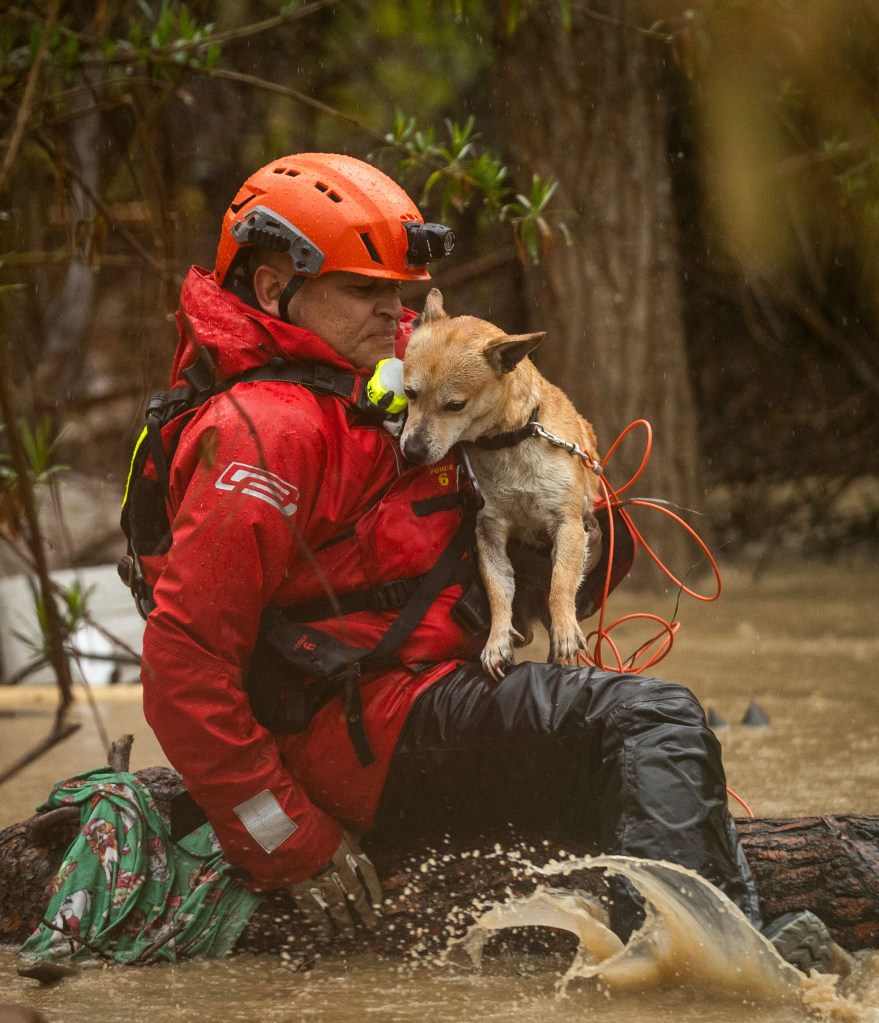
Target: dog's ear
x=505 y=353
x=433 y=307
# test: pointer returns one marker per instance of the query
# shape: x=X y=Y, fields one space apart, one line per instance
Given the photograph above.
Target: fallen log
x=827 y=864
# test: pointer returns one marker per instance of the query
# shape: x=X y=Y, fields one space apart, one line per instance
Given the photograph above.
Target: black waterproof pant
x=618 y=760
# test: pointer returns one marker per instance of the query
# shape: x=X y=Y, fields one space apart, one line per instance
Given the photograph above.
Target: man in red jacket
x=311 y=658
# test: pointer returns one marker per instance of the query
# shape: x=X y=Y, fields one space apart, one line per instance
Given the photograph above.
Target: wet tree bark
x=827 y=864
x=586 y=104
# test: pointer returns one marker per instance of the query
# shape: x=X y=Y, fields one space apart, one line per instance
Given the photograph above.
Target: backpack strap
x=322 y=379
x=315 y=376
x=203 y=383
x=322 y=656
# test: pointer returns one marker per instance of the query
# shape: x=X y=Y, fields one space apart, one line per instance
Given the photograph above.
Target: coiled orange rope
x=601 y=636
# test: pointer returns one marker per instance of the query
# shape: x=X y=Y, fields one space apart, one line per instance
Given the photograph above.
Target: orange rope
x=739 y=799
x=601 y=636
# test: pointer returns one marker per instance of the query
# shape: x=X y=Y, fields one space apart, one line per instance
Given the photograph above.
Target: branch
x=18 y=454
x=143 y=958
x=26 y=558
x=65 y=930
x=284 y=90
x=235 y=34
x=119 y=753
x=480 y=267
x=106 y=212
x=28 y=98
x=811 y=315
x=450 y=170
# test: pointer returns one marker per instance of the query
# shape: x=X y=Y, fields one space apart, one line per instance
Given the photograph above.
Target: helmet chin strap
x=290 y=289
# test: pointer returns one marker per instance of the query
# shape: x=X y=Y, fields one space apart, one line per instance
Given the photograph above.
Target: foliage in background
x=466 y=177
x=73 y=602
x=39 y=447
x=126 y=125
x=118 y=122
x=776 y=175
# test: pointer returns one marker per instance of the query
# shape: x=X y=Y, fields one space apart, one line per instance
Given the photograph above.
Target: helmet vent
x=321 y=187
x=236 y=207
x=286 y=170
x=370 y=248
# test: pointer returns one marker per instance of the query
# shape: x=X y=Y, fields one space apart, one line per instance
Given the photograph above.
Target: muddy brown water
x=802 y=642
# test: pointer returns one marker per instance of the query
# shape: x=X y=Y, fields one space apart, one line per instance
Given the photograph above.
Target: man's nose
x=388 y=302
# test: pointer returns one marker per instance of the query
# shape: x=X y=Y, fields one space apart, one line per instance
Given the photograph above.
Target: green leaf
x=39 y=448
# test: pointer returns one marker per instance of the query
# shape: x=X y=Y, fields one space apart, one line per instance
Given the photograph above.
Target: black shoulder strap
x=437 y=579
x=322 y=379
x=321 y=655
x=202 y=384
x=315 y=376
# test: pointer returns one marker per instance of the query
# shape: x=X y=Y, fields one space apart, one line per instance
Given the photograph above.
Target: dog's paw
x=497 y=657
x=566 y=647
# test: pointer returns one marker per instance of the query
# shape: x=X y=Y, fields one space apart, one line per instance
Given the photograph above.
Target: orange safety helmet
x=330 y=212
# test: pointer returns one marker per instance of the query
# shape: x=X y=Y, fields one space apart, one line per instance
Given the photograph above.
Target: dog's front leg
x=497 y=576
x=565 y=638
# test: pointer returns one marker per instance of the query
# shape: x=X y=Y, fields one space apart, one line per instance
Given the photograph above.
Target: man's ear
x=505 y=353
x=268 y=283
x=433 y=307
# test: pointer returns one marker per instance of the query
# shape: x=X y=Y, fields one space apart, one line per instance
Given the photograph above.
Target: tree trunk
x=586 y=105
x=827 y=864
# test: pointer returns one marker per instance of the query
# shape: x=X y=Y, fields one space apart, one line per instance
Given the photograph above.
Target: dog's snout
x=414 y=449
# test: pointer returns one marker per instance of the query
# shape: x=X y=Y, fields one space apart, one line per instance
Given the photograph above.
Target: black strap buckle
x=345 y=675
x=125 y=568
x=330 y=380
x=393 y=595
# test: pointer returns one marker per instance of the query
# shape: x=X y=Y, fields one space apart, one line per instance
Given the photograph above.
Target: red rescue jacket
x=281 y=496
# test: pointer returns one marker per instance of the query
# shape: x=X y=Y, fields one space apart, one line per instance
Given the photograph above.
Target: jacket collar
x=239 y=337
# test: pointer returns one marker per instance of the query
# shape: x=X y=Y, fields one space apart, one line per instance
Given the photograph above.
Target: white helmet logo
x=254 y=482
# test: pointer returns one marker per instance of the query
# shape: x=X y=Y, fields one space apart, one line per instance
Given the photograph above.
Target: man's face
x=354 y=314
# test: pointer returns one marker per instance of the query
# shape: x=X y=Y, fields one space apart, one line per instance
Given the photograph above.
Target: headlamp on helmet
x=427 y=242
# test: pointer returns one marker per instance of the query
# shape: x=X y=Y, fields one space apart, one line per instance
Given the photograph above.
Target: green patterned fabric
x=125 y=892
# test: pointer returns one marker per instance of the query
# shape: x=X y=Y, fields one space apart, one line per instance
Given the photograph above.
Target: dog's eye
x=410 y=393
x=455 y=406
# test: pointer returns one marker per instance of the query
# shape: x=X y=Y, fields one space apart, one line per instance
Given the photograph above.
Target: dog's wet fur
x=466 y=379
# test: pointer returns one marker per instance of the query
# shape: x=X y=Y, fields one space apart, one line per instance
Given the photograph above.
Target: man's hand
x=346 y=893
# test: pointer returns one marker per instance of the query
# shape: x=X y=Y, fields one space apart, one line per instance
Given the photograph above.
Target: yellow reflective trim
x=140 y=441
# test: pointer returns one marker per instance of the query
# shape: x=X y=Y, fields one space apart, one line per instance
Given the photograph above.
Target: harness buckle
x=325 y=379
x=125 y=568
x=131 y=573
x=392 y=595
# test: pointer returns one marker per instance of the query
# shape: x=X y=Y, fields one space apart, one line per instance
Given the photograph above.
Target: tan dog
x=466 y=380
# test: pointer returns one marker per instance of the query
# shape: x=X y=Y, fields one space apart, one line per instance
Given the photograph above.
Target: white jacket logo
x=248 y=479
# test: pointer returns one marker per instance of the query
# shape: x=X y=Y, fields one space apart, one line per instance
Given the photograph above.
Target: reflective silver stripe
x=265 y=820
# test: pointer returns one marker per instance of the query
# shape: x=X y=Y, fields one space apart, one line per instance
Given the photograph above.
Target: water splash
x=692 y=935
